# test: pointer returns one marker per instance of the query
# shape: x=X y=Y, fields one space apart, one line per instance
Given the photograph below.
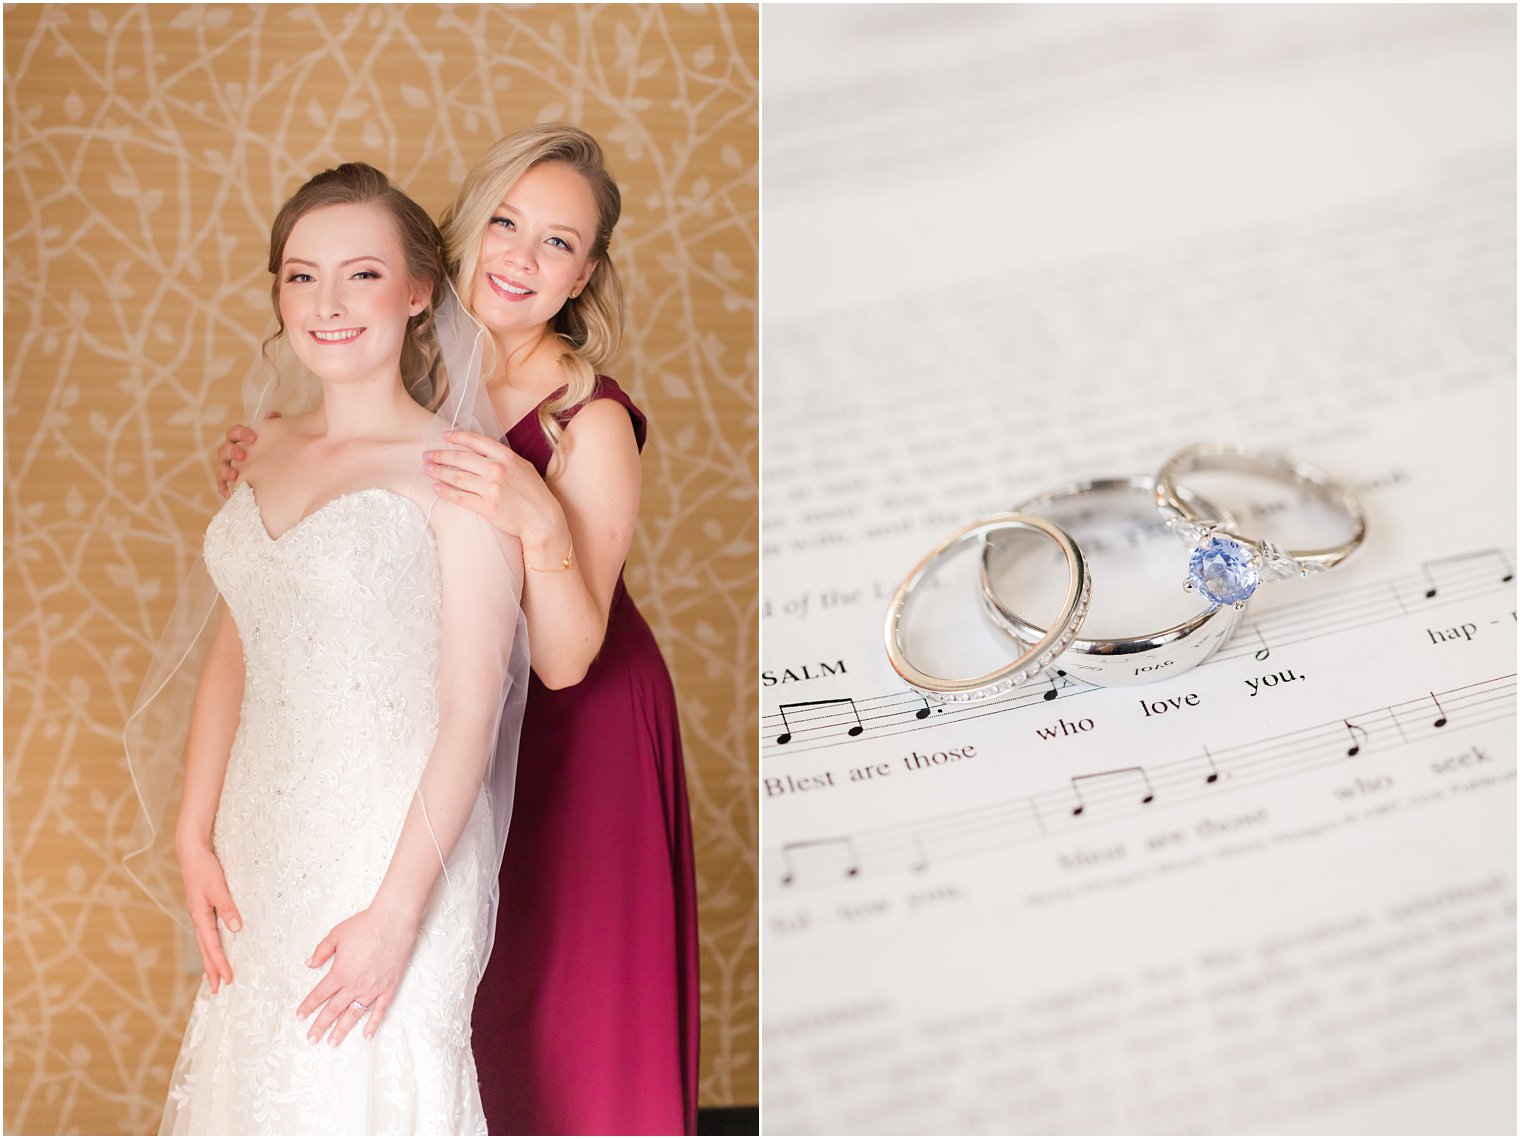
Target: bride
x=347 y=771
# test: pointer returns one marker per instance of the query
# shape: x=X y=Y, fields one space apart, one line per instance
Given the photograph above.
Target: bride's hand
x=498 y=484
x=369 y=954
x=207 y=897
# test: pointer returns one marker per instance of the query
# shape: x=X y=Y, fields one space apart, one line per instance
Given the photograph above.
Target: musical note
x=1266 y=650
x=1057 y=681
x=1081 y=806
x=789 y=869
x=786 y=735
x=1352 y=730
x=1213 y=776
x=922 y=713
x=1440 y=721
x=1427 y=568
x=921 y=863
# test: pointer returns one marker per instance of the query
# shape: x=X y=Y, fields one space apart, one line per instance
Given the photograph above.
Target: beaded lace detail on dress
x=339 y=619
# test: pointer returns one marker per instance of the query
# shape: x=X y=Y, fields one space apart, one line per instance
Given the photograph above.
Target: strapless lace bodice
x=339 y=619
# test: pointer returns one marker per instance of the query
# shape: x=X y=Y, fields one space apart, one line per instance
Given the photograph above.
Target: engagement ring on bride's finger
x=1225 y=567
x=359 y=1006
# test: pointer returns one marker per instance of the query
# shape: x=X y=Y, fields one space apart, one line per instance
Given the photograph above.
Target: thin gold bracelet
x=564 y=565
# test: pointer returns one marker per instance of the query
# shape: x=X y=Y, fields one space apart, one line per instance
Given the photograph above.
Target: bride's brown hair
x=357 y=184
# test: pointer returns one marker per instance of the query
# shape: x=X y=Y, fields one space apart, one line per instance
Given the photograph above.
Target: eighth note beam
x=788 y=785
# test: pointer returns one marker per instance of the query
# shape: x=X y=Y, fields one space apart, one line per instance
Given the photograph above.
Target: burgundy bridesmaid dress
x=586 y=1020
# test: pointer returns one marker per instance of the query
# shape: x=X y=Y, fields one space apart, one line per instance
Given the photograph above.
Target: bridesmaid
x=586 y=1020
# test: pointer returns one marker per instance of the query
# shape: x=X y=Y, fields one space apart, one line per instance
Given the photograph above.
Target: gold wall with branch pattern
x=147 y=149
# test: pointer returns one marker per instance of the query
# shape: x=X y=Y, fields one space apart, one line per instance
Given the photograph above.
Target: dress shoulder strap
x=608 y=388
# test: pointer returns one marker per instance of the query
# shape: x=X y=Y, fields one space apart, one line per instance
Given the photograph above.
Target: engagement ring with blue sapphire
x=1226 y=567
x=1036 y=658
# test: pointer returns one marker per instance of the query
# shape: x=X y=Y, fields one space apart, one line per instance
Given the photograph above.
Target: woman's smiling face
x=536 y=250
x=345 y=296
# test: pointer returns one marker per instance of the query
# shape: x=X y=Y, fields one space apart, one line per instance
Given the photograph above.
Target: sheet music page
x=1006 y=248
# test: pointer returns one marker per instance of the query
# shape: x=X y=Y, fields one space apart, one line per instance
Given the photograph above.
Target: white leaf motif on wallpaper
x=675 y=385
x=723 y=266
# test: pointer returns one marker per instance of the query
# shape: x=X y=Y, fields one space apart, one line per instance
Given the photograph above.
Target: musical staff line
x=1110 y=795
x=1437 y=582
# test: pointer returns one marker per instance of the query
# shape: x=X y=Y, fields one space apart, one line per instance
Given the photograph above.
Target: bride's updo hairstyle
x=358 y=184
x=591 y=323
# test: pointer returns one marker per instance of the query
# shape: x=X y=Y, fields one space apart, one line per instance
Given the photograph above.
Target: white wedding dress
x=340 y=624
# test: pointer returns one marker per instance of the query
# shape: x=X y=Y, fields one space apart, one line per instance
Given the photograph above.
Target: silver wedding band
x=1039 y=654
x=1118 y=661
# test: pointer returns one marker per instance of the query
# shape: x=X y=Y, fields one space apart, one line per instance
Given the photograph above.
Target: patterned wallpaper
x=146 y=150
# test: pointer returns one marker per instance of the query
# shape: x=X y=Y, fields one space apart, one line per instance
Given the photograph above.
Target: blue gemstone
x=1223 y=571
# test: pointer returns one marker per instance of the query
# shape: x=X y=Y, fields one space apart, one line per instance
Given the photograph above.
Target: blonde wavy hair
x=591 y=324
x=358 y=184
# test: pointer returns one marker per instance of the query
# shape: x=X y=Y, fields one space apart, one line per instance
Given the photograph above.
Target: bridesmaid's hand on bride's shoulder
x=231 y=452
x=369 y=954
x=489 y=478
x=208 y=898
